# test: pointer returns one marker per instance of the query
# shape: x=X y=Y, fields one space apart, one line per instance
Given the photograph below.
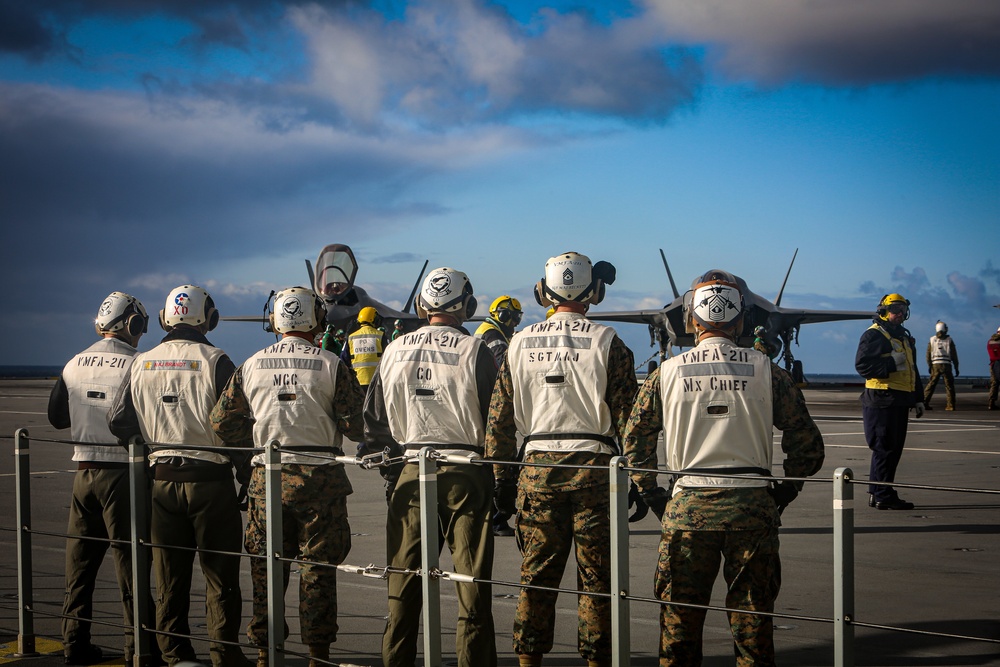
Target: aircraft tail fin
x=781 y=292
x=312 y=275
x=416 y=286
x=669 y=276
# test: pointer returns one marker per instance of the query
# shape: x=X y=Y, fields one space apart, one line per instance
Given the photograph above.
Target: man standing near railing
x=432 y=389
x=716 y=405
x=307 y=399
x=166 y=399
x=567 y=385
x=100 y=507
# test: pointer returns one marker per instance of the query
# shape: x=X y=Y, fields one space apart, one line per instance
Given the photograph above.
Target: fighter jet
x=333 y=280
x=668 y=326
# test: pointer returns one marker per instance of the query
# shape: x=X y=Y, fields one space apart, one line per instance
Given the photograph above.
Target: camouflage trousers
x=548 y=525
x=314 y=528
x=938 y=372
x=994 y=382
x=686 y=571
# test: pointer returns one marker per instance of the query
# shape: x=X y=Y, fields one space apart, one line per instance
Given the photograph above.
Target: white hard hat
x=297 y=309
x=446 y=290
x=941 y=327
x=121 y=312
x=716 y=301
x=570 y=276
x=188 y=304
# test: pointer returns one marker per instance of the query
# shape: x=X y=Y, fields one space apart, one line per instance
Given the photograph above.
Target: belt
x=101 y=465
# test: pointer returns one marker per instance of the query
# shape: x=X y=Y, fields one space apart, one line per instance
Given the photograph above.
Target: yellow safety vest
x=365 y=347
x=903 y=379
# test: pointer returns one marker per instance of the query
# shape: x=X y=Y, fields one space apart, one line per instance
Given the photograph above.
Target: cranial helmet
x=887 y=304
x=506 y=310
x=571 y=277
x=368 y=315
x=189 y=304
x=759 y=331
x=941 y=327
x=297 y=309
x=121 y=312
x=716 y=303
x=446 y=290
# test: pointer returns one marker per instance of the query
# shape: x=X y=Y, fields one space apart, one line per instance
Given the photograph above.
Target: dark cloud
x=774 y=42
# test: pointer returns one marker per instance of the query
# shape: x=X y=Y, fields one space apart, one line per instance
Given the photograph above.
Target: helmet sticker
x=439 y=285
x=567 y=276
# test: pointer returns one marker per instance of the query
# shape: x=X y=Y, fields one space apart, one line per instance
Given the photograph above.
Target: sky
x=146 y=144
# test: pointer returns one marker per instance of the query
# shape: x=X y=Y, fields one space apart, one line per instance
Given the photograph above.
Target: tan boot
x=262 y=657
x=320 y=651
x=598 y=663
x=525 y=660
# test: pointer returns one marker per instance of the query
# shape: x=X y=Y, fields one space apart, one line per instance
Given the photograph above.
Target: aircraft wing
x=654 y=317
x=795 y=317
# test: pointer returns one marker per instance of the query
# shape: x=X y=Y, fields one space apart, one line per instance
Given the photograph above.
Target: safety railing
x=843 y=611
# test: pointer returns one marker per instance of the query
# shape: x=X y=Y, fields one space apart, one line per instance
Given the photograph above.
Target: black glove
x=504 y=497
x=635 y=498
x=243 y=497
x=783 y=493
x=657 y=500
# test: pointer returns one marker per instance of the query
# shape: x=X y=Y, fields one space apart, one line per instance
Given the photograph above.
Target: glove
x=504 y=497
x=919 y=409
x=243 y=497
x=899 y=358
x=783 y=493
x=635 y=498
x=657 y=500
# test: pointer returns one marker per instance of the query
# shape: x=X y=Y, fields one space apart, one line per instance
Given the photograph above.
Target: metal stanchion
x=621 y=639
x=843 y=568
x=275 y=546
x=25 y=594
x=429 y=557
x=139 y=496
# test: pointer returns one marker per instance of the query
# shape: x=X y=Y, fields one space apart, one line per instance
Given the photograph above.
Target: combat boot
x=320 y=651
x=262 y=657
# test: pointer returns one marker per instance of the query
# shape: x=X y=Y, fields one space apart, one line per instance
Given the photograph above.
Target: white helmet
x=446 y=290
x=571 y=277
x=716 y=303
x=121 y=312
x=297 y=309
x=188 y=304
x=940 y=327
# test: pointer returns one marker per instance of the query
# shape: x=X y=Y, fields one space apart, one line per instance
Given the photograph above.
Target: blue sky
x=150 y=143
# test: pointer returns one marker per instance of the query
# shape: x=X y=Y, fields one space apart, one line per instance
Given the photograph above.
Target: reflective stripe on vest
x=902 y=379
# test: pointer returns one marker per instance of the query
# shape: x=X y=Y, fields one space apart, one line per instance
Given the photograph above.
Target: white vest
x=559 y=370
x=431 y=395
x=941 y=350
x=291 y=387
x=93 y=379
x=717 y=412
x=173 y=389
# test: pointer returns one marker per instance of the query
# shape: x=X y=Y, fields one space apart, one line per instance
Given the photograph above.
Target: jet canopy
x=336 y=270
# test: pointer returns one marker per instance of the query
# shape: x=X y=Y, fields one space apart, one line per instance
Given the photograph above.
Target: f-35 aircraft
x=669 y=327
x=333 y=280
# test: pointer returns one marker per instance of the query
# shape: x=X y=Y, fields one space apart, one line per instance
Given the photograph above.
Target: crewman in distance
x=364 y=345
x=941 y=356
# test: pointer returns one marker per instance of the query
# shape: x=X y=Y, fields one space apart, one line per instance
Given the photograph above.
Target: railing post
x=429 y=557
x=139 y=497
x=843 y=568
x=25 y=594
x=620 y=617
x=275 y=546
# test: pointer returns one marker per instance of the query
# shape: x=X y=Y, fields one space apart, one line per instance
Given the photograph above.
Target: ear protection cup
x=503 y=316
x=882 y=311
x=212 y=317
x=598 y=294
x=135 y=325
x=540 y=297
x=419 y=305
x=163 y=321
x=320 y=312
x=470 y=307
